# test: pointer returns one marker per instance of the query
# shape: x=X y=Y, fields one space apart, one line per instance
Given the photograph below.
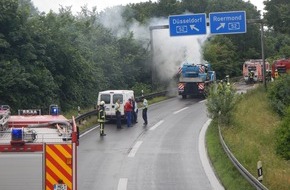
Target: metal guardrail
x=85 y=115
x=255 y=183
x=152 y=95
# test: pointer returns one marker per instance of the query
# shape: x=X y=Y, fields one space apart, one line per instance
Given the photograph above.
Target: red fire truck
x=38 y=151
x=253 y=70
x=279 y=67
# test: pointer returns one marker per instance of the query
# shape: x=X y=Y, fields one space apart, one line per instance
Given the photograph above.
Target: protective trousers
x=102 y=128
x=144 y=115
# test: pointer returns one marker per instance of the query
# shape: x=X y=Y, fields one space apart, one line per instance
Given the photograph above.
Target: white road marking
x=88 y=131
x=156 y=125
x=180 y=110
x=202 y=101
x=135 y=148
x=122 y=185
x=205 y=160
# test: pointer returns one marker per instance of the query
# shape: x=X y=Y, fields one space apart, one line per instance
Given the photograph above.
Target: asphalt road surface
x=164 y=155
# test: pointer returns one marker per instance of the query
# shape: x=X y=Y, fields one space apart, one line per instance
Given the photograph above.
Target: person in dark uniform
x=134 y=111
x=144 y=111
x=102 y=118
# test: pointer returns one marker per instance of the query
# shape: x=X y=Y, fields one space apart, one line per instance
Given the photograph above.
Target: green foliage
x=277 y=15
x=277 y=45
x=229 y=176
x=283 y=137
x=221 y=102
x=138 y=88
x=278 y=94
x=62 y=58
x=221 y=53
x=251 y=137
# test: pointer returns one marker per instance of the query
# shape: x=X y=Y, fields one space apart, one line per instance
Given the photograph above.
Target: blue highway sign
x=228 y=22
x=184 y=25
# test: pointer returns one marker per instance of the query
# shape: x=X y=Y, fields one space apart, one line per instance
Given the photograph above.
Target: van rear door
x=121 y=98
x=110 y=100
x=106 y=97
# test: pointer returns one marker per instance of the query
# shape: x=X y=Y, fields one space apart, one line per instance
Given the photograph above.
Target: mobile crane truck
x=38 y=151
x=194 y=79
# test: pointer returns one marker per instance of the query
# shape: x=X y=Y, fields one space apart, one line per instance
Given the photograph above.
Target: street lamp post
x=261 y=22
x=153 y=67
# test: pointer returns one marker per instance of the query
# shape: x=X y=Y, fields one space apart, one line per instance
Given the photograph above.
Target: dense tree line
x=67 y=59
x=62 y=58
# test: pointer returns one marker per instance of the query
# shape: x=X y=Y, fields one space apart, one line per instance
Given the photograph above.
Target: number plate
x=60 y=187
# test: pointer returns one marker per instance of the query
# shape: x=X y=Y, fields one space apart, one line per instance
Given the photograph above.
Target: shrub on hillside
x=278 y=94
x=138 y=88
x=221 y=102
x=283 y=137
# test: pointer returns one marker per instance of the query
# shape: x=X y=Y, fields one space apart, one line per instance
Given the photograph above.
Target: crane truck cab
x=110 y=97
x=194 y=79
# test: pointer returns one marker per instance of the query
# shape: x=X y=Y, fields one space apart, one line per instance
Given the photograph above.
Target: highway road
x=164 y=155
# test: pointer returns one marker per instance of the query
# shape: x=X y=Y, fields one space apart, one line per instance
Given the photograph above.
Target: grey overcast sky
x=46 y=5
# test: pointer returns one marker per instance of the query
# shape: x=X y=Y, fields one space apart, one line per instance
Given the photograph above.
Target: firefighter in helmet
x=251 y=75
x=276 y=73
x=102 y=118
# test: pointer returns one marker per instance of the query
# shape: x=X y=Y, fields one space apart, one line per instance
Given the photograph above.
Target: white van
x=110 y=97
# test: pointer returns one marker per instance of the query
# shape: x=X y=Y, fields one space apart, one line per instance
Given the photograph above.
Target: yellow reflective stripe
x=58 y=173
x=59 y=160
x=63 y=150
x=50 y=179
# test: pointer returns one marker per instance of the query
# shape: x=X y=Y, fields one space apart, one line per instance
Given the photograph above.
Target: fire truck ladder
x=4 y=116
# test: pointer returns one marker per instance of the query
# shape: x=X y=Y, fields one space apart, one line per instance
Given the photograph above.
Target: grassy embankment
x=250 y=138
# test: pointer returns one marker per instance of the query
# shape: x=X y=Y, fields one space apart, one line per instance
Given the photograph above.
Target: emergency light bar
x=19 y=136
x=54 y=109
x=16 y=134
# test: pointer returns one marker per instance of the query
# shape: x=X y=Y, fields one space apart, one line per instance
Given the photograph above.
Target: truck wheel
x=183 y=96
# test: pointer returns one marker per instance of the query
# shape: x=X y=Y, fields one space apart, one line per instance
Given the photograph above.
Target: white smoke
x=169 y=52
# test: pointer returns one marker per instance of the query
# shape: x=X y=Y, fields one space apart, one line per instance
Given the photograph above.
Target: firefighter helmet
x=102 y=103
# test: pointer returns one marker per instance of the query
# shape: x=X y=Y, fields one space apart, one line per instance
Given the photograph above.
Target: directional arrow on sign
x=193 y=27
x=184 y=25
x=231 y=22
x=222 y=25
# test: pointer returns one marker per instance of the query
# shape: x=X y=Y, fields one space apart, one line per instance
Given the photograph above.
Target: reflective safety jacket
x=145 y=103
x=102 y=115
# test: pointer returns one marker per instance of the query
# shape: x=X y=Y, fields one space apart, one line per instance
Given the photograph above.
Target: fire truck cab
x=279 y=67
x=38 y=151
x=253 y=70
